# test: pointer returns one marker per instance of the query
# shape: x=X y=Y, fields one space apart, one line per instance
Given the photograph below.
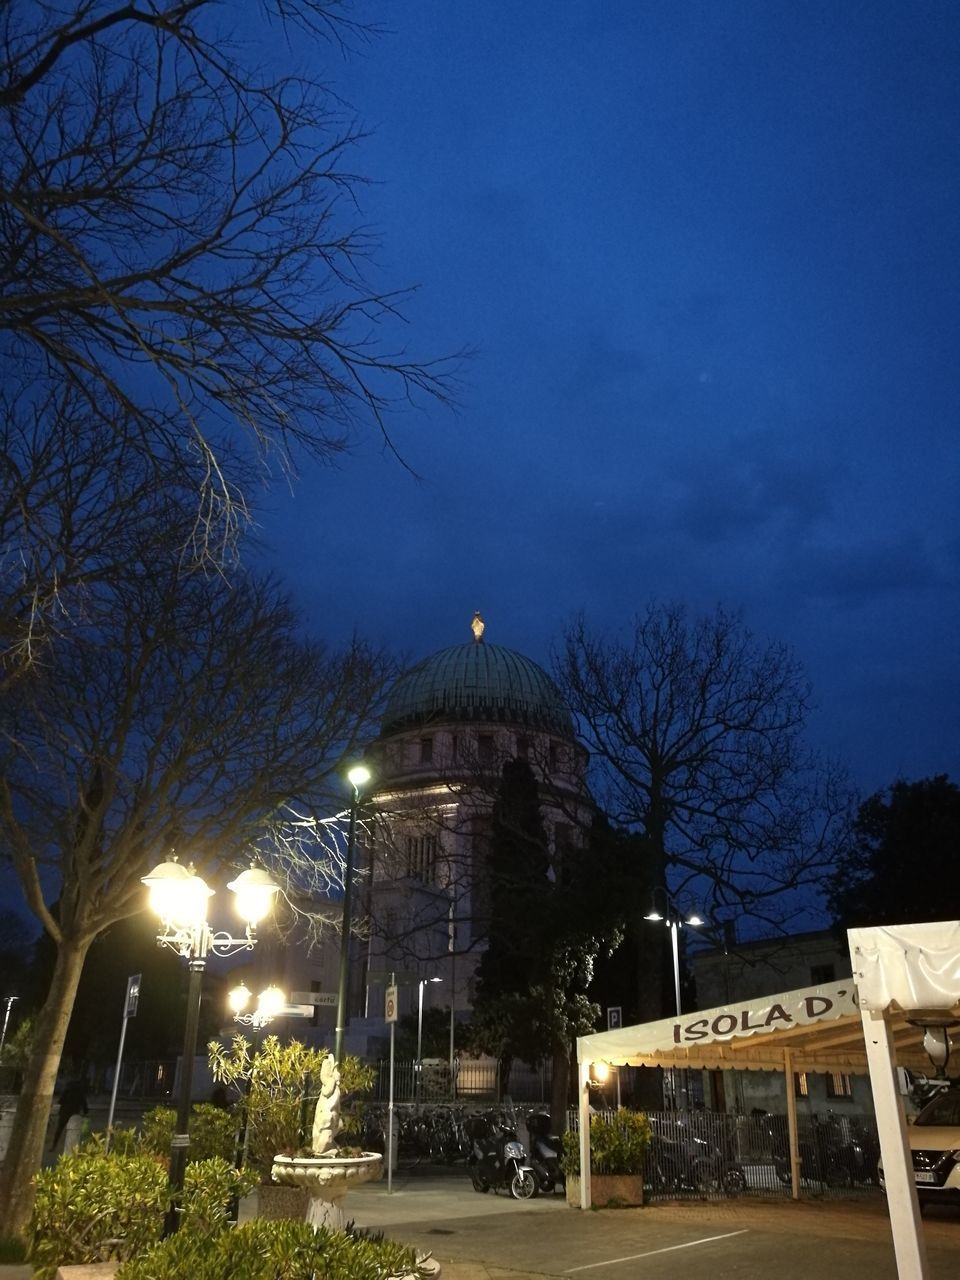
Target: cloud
x=858 y=572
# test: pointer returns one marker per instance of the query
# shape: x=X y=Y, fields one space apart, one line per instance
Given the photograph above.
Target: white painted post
x=583 y=1069
x=902 y=1203
x=792 y=1138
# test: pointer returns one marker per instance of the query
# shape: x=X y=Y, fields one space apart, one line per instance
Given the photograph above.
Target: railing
x=714 y=1155
x=473 y=1082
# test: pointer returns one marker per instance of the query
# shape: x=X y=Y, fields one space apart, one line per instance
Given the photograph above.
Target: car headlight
x=513 y=1150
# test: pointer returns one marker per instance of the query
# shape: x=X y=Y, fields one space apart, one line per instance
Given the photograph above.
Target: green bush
x=618 y=1144
x=264 y=1250
x=92 y=1207
x=97 y=1207
x=212 y=1132
x=272 y=1084
x=210 y=1188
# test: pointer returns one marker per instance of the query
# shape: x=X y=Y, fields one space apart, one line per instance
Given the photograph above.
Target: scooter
x=546 y=1150
x=825 y=1156
x=498 y=1159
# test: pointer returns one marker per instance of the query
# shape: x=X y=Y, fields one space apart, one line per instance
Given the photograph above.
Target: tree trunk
x=28 y=1135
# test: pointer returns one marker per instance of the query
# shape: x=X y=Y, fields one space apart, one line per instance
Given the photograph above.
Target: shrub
x=263 y=1250
x=617 y=1144
x=92 y=1207
x=98 y=1207
x=212 y=1132
x=210 y=1188
x=275 y=1085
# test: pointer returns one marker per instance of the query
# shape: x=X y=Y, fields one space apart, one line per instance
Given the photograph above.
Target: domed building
x=422 y=893
x=449 y=725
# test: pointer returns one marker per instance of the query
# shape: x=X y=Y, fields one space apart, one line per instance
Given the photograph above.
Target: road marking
x=634 y=1257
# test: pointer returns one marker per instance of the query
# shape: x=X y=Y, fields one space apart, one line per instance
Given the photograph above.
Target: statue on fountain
x=325 y=1173
x=326 y=1120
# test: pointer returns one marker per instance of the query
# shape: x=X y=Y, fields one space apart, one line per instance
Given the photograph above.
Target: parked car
x=935 y=1146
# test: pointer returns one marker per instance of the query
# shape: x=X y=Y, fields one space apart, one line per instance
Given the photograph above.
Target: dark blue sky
x=708 y=257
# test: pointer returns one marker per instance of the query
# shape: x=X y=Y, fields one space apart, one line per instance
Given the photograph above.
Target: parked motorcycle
x=827 y=1155
x=546 y=1150
x=498 y=1159
x=681 y=1160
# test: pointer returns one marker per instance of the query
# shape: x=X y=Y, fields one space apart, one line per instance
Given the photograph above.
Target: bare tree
x=184 y=712
x=78 y=502
x=696 y=732
x=181 y=253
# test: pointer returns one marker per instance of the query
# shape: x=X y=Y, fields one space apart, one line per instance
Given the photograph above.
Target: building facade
x=422 y=892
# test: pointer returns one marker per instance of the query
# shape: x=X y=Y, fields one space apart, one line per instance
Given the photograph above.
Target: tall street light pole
x=179 y=897
x=6 y=1019
x=358 y=777
x=419 y=1081
x=663 y=910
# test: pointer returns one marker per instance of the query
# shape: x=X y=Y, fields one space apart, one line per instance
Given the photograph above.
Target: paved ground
x=490 y=1237
x=487 y=1237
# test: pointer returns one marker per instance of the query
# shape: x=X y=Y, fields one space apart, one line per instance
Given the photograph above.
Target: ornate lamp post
x=358 y=777
x=179 y=897
x=270 y=1002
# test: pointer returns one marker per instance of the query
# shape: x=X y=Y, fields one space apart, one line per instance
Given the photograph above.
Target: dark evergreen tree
x=549 y=920
x=902 y=865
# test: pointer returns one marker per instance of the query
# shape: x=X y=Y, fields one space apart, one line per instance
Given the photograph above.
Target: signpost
x=614 y=1023
x=130 y=1002
x=390 y=1014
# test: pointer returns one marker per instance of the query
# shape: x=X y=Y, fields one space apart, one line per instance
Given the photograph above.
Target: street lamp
x=179 y=897
x=6 y=1019
x=270 y=1003
x=358 y=777
x=420 y=985
x=674 y=919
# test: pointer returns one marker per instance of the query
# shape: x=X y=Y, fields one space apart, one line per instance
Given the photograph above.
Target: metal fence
x=714 y=1155
x=472 y=1082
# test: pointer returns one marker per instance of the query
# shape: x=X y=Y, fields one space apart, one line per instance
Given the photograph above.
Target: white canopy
x=904 y=976
x=819 y=1026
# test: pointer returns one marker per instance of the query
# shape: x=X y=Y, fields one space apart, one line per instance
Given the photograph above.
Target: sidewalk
x=491 y=1237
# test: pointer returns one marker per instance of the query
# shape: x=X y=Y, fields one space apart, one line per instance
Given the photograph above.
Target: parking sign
x=614 y=1017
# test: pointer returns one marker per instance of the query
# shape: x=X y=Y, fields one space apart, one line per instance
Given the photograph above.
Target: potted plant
x=618 y=1144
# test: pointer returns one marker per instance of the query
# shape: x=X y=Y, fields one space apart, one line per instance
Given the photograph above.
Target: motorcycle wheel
x=782 y=1168
x=523 y=1185
x=704 y=1177
x=734 y=1182
x=838 y=1175
x=479 y=1182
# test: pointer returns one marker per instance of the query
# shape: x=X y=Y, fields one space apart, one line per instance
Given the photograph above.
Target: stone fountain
x=325 y=1174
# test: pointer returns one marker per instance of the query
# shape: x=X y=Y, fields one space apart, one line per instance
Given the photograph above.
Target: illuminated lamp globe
x=177 y=895
x=358 y=776
x=239 y=998
x=255 y=890
x=270 y=1002
x=601 y=1070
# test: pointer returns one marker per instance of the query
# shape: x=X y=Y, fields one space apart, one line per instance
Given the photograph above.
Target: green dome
x=480 y=683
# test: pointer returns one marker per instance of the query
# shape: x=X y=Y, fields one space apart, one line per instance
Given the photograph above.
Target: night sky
x=707 y=257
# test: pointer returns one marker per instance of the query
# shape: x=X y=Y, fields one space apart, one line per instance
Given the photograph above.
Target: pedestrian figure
x=73 y=1102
